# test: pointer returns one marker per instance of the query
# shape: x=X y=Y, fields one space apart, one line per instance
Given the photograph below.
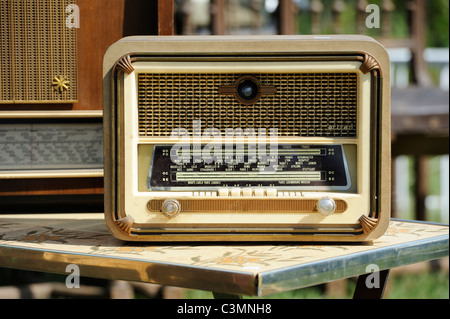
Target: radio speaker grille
x=305 y=104
x=38 y=52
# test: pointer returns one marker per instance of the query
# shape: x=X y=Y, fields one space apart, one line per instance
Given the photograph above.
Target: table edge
x=353 y=264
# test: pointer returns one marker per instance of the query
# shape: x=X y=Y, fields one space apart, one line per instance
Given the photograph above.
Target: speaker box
x=38 y=52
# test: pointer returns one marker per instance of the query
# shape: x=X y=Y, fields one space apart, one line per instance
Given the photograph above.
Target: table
x=51 y=242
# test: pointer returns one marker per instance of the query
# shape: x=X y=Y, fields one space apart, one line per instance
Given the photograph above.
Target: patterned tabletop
x=51 y=242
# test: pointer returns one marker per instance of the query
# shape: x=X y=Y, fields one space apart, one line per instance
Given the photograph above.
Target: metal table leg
x=218 y=295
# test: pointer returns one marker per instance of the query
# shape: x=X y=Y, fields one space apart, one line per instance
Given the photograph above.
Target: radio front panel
x=40 y=146
x=311 y=167
x=245 y=145
x=50 y=147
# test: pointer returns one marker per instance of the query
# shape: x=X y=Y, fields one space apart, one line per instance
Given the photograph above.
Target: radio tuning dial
x=171 y=208
x=326 y=206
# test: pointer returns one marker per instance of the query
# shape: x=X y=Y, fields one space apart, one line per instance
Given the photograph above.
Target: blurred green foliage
x=437 y=20
x=437 y=26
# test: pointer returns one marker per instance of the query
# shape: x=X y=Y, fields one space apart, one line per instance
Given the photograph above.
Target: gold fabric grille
x=305 y=104
x=36 y=48
x=247 y=205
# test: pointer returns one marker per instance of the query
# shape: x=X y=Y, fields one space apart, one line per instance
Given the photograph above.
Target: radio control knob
x=171 y=208
x=326 y=206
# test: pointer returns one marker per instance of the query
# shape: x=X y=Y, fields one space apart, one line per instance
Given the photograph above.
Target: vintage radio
x=280 y=138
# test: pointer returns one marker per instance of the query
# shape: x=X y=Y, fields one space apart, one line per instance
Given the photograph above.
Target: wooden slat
x=418 y=21
x=165 y=17
x=218 y=8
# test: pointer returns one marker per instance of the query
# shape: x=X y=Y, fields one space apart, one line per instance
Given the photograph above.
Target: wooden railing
x=315 y=17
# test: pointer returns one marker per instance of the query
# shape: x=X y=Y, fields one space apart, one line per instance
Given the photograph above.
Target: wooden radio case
x=276 y=138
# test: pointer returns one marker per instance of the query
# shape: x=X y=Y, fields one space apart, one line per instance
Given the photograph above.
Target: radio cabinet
x=283 y=138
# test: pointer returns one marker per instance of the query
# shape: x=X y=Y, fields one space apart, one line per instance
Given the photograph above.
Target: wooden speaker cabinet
x=38 y=52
